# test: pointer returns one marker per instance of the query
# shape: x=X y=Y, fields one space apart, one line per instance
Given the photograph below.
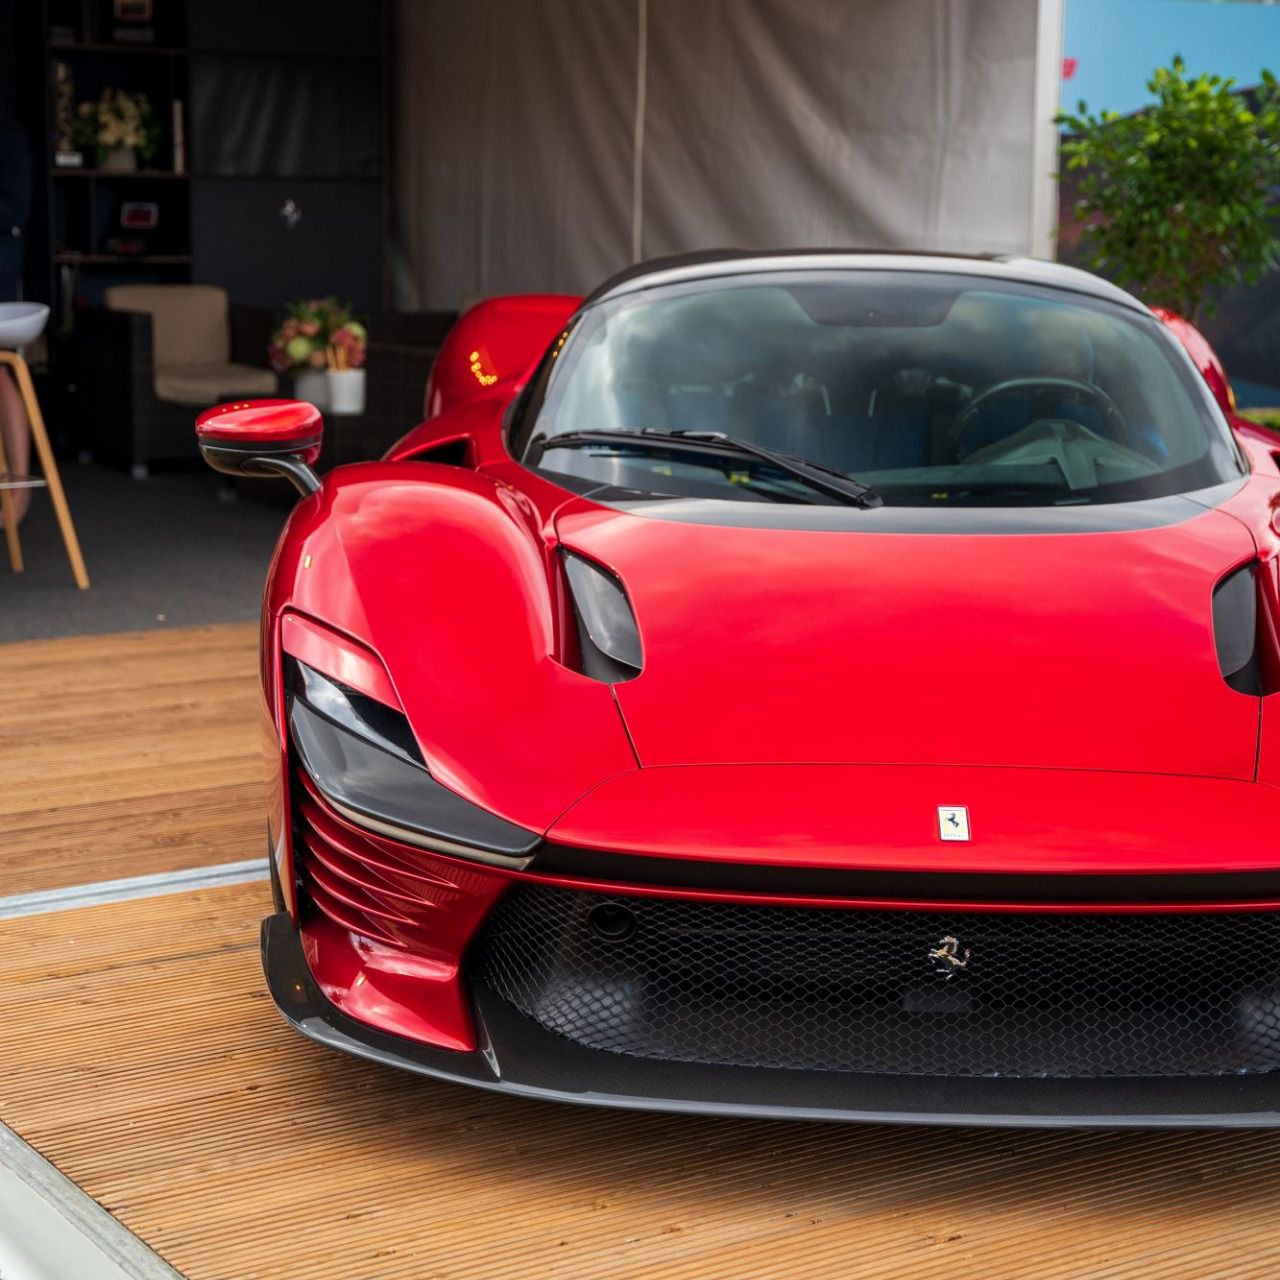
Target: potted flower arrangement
x=345 y=354
x=318 y=339
x=120 y=127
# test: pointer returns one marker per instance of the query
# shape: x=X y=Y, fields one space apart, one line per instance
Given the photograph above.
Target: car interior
x=901 y=384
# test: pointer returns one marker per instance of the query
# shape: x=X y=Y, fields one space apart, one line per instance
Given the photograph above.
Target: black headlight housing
x=364 y=760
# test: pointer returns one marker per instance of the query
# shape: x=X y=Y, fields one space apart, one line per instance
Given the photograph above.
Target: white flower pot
x=118 y=160
x=346 y=390
x=312 y=385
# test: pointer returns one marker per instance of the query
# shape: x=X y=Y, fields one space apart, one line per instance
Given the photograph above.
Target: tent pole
x=1043 y=212
x=637 y=162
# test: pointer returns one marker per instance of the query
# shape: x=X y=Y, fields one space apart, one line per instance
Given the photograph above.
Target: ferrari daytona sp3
x=835 y=685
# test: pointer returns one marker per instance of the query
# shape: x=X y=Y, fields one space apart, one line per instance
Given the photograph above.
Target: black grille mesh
x=853 y=990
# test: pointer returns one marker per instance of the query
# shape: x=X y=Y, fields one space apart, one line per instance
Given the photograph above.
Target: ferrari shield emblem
x=953 y=822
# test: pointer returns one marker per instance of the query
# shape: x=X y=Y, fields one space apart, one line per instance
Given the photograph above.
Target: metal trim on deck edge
x=98 y=893
x=89 y=1228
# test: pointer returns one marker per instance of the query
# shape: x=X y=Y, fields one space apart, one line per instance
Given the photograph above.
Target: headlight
x=364 y=760
x=356 y=712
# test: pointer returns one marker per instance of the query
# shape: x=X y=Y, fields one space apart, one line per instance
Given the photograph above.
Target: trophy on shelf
x=66 y=155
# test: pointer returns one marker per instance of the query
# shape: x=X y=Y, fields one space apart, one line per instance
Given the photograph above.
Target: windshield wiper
x=822 y=479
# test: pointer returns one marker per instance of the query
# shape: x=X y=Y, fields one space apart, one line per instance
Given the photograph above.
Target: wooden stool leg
x=48 y=464
x=7 y=512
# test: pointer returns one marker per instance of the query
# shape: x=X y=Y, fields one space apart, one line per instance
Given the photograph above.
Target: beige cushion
x=206 y=384
x=189 y=322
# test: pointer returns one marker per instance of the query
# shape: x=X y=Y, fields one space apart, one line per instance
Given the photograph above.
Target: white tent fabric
x=544 y=144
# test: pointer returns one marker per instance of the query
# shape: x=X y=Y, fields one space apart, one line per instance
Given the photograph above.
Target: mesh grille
x=859 y=991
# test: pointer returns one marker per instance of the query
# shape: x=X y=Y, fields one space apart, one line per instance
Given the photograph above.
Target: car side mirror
x=262 y=438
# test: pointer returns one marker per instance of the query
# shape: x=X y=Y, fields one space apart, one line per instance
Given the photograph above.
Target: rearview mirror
x=263 y=437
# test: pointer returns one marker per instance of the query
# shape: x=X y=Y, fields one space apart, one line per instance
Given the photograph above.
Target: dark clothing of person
x=15 y=205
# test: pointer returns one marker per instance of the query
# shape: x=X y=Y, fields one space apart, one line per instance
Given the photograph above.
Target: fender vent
x=1235 y=630
x=608 y=638
x=452 y=453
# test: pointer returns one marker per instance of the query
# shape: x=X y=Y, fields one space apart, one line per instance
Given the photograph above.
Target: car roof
x=711 y=264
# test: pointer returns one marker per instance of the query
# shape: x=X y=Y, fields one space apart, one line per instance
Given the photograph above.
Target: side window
x=1203 y=356
x=524 y=410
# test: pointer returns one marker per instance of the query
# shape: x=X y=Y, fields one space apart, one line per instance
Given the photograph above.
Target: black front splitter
x=517 y=1056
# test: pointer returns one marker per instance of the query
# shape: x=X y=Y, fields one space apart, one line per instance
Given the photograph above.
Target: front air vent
x=1041 y=996
x=1235 y=630
x=608 y=638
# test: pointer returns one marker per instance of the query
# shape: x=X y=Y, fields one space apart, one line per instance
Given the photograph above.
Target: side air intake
x=608 y=638
x=1235 y=630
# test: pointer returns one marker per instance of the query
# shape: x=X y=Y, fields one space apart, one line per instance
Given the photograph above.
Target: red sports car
x=819 y=684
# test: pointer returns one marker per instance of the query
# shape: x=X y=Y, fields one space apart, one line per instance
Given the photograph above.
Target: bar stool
x=21 y=323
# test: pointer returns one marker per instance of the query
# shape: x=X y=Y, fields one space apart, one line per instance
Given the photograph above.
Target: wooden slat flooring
x=123 y=755
x=140 y=1053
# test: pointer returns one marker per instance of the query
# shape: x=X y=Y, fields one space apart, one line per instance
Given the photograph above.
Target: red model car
x=820 y=684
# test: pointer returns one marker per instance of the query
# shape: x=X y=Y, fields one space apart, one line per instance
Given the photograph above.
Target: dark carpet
x=163 y=552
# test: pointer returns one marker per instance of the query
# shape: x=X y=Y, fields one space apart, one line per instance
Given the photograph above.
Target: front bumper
x=517 y=1056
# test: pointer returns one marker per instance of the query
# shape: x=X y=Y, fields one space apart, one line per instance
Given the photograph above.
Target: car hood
x=1064 y=650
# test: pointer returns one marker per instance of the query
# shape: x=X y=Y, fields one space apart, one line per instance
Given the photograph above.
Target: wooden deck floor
x=140 y=1053
x=122 y=755
x=142 y=1056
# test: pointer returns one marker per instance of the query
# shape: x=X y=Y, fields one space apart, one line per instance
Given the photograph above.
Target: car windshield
x=929 y=388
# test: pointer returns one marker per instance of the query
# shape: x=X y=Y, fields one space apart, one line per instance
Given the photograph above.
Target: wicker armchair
x=151 y=359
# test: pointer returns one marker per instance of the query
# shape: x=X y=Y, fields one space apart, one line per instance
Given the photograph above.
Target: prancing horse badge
x=953 y=822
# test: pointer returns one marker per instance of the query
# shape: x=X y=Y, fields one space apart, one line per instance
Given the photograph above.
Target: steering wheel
x=1047 y=394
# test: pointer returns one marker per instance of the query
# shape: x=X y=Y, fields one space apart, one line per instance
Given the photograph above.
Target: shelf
x=70 y=258
x=283 y=54
x=153 y=50
x=57 y=171
x=287 y=177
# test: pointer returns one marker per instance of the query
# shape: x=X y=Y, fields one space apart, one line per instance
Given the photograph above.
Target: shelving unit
x=79 y=216
x=86 y=46
x=283 y=186
x=116 y=176
x=72 y=259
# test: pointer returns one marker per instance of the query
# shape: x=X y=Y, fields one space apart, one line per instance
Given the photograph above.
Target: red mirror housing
x=1203 y=356
x=263 y=437
x=493 y=342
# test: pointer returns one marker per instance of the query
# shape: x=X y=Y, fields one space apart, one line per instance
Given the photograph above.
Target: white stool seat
x=21 y=322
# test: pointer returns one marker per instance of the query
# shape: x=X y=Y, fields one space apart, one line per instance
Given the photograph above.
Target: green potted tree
x=1177 y=198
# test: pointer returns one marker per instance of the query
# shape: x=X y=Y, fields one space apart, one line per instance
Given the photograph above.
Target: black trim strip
x=1015 y=521
x=901 y=886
